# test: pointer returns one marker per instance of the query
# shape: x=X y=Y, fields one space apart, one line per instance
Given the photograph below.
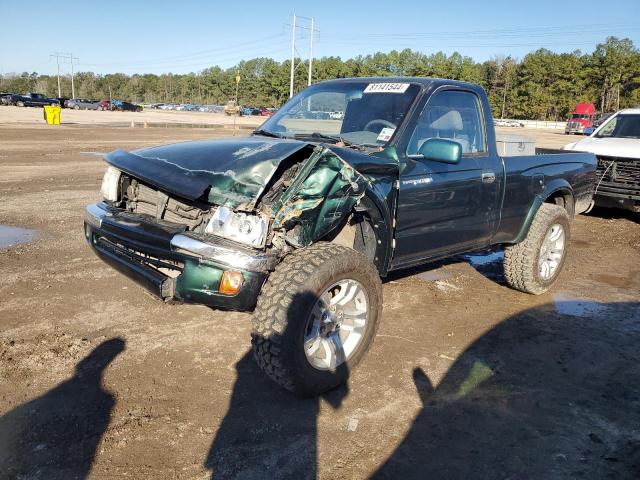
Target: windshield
x=621 y=126
x=360 y=113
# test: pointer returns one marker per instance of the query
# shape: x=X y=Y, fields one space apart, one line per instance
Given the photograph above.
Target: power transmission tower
x=313 y=31
x=66 y=58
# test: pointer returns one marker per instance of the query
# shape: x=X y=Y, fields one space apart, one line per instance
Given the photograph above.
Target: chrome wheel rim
x=336 y=325
x=551 y=252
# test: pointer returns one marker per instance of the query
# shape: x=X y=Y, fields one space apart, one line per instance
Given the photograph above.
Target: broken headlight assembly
x=111 y=184
x=240 y=227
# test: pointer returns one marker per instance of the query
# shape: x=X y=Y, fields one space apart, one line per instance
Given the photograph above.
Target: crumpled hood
x=229 y=172
x=610 y=147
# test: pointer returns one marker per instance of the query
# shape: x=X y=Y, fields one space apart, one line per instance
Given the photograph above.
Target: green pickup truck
x=299 y=221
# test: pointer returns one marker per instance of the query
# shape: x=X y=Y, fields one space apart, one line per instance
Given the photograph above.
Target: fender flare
x=557 y=186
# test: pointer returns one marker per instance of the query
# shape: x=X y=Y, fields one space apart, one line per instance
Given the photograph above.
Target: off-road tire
x=521 y=260
x=283 y=308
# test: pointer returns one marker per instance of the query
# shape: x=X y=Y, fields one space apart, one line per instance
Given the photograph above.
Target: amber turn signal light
x=231 y=282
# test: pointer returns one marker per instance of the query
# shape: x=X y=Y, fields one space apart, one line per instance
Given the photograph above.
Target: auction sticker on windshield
x=386 y=88
x=386 y=134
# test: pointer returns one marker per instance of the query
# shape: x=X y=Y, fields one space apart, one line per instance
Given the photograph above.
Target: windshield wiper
x=266 y=133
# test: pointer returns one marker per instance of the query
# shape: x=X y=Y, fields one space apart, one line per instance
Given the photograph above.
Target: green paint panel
x=198 y=281
x=324 y=192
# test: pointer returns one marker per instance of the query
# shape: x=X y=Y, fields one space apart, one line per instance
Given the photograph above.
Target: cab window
x=452 y=115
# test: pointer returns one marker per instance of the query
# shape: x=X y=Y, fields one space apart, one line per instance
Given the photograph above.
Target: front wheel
x=316 y=317
x=19 y=104
x=533 y=265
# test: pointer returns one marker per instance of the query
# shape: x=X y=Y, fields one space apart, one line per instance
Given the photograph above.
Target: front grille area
x=141 y=198
x=617 y=175
x=163 y=265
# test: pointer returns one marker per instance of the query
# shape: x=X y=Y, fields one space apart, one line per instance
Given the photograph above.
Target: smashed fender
x=232 y=172
x=325 y=190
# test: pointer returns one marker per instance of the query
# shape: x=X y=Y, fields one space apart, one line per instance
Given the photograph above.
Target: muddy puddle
x=12 y=236
x=482 y=259
x=434 y=276
x=575 y=307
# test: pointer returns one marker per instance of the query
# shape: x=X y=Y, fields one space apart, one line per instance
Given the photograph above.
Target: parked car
x=501 y=122
x=298 y=222
x=616 y=143
x=125 y=106
x=83 y=104
x=5 y=98
x=104 y=105
x=32 y=100
x=63 y=101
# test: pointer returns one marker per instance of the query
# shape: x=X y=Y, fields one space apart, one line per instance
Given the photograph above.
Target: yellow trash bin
x=52 y=114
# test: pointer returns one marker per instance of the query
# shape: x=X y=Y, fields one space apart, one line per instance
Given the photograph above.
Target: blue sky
x=170 y=36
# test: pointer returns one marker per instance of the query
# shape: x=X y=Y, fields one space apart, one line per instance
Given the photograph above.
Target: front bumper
x=172 y=263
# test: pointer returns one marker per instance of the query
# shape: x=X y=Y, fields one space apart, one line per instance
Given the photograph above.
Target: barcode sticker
x=386 y=88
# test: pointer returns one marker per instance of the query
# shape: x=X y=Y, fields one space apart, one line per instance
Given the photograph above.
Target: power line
x=529 y=31
x=244 y=46
x=204 y=64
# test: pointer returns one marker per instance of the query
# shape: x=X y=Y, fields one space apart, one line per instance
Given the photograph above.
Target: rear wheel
x=19 y=104
x=533 y=265
x=316 y=317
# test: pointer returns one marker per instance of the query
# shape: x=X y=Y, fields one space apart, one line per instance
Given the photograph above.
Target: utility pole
x=70 y=58
x=293 y=54
x=57 y=55
x=73 y=89
x=310 y=54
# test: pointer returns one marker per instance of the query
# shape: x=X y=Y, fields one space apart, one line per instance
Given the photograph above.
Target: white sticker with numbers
x=386 y=134
x=386 y=88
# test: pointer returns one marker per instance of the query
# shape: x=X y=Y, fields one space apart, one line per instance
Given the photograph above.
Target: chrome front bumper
x=214 y=249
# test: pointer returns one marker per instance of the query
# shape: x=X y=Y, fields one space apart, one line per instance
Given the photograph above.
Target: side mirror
x=588 y=131
x=441 y=150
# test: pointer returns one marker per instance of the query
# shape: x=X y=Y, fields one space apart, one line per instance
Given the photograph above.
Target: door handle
x=488 y=177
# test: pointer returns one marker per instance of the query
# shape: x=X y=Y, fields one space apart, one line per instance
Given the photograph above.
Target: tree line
x=543 y=85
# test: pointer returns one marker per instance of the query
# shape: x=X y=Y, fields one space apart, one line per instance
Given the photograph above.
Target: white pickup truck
x=616 y=143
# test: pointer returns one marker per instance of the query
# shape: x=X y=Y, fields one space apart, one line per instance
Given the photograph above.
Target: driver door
x=446 y=208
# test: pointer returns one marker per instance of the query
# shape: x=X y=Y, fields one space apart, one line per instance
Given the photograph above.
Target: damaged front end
x=189 y=232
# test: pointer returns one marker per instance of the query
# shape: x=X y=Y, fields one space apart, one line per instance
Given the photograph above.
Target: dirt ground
x=29 y=116
x=466 y=378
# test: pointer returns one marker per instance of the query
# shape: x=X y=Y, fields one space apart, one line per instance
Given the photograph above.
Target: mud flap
x=323 y=193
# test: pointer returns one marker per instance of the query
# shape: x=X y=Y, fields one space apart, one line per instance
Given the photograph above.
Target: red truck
x=582 y=117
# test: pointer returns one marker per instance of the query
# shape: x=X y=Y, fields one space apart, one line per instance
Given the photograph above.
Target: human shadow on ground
x=268 y=432
x=55 y=436
x=543 y=395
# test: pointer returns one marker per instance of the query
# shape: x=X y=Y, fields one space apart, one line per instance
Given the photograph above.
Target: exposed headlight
x=111 y=184
x=243 y=228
